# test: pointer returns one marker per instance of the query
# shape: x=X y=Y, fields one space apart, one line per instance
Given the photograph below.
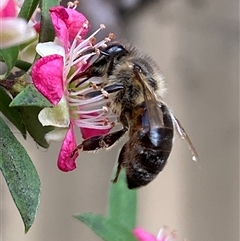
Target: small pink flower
x=163 y=235
x=54 y=76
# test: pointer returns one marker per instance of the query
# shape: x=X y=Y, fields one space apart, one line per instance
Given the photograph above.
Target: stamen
x=84 y=61
x=94 y=122
x=105 y=122
x=107 y=39
x=98 y=127
x=102 y=26
x=105 y=93
x=70 y=4
x=89 y=102
x=101 y=44
x=111 y=35
x=85 y=24
x=105 y=109
x=90 y=118
x=86 y=112
x=94 y=86
x=97 y=51
x=92 y=40
x=79 y=37
x=78 y=71
x=88 y=39
x=81 y=59
x=73 y=5
x=75 y=47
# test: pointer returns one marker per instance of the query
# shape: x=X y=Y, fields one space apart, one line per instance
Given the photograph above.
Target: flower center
x=88 y=104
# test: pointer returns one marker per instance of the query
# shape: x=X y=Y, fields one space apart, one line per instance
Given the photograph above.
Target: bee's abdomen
x=138 y=176
x=153 y=161
x=148 y=157
x=146 y=163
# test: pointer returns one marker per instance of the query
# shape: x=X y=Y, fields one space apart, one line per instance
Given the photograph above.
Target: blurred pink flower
x=9 y=34
x=163 y=235
x=8 y=8
x=53 y=75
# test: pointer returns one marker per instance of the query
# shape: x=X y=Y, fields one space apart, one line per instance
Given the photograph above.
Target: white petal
x=29 y=52
x=49 y=48
x=57 y=116
x=15 y=31
x=57 y=135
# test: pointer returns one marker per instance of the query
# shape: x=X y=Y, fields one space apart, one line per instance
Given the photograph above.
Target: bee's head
x=136 y=73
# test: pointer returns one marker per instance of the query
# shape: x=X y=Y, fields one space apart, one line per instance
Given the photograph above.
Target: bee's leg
x=119 y=167
x=121 y=159
x=97 y=142
x=105 y=141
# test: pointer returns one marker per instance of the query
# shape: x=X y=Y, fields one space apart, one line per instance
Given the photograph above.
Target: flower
x=54 y=75
x=163 y=235
x=9 y=34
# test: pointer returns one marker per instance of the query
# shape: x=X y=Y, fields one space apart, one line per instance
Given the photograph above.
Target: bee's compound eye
x=115 y=50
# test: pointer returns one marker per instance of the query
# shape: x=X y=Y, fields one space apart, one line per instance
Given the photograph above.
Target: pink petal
x=87 y=132
x=66 y=162
x=59 y=16
x=37 y=27
x=142 y=235
x=75 y=22
x=47 y=77
x=67 y=22
x=8 y=8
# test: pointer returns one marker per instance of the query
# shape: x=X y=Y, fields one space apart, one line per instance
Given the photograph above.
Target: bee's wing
x=183 y=134
x=154 y=111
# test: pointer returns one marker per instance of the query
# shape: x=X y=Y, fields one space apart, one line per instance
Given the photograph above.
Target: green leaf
x=11 y=113
x=30 y=97
x=28 y=9
x=106 y=228
x=23 y=65
x=122 y=204
x=9 y=56
x=34 y=127
x=20 y=174
x=46 y=30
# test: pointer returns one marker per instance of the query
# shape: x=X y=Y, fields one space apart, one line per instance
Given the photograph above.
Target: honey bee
x=139 y=87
